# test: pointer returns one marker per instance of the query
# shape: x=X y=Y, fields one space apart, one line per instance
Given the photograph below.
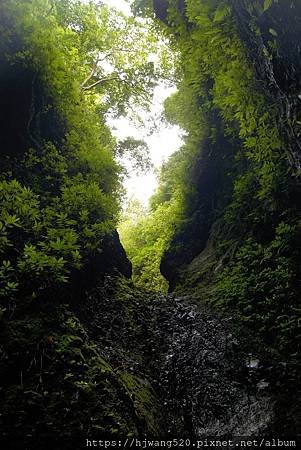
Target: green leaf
x=221 y=13
x=273 y=32
x=267 y=4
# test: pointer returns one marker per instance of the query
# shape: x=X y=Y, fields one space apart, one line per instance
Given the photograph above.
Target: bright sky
x=162 y=143
x=122 y=5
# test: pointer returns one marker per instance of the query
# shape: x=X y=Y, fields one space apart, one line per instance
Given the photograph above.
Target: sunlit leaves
x=268 y=3
x=145 y=237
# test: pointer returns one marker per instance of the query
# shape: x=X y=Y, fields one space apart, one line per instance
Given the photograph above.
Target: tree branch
x=102 y=80
x=91 y=74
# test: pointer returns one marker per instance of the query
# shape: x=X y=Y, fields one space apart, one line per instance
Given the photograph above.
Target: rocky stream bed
x=204 y=380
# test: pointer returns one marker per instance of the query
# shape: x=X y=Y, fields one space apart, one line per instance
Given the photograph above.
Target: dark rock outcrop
x=213 y=189
x=110 y=259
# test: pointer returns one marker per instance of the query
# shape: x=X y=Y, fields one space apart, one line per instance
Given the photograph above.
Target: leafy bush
x=259 y=284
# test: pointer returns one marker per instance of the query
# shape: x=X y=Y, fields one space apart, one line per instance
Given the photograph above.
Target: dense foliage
x=145 y=235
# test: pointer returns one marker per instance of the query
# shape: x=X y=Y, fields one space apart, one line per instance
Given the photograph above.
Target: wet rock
x=190 y=359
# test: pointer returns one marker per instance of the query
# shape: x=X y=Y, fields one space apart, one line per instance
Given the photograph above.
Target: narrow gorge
x=186 y=322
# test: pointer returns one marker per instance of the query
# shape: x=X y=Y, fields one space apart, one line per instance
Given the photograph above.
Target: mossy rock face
x=67 y=375
x=57 y=388
x=146 y=405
